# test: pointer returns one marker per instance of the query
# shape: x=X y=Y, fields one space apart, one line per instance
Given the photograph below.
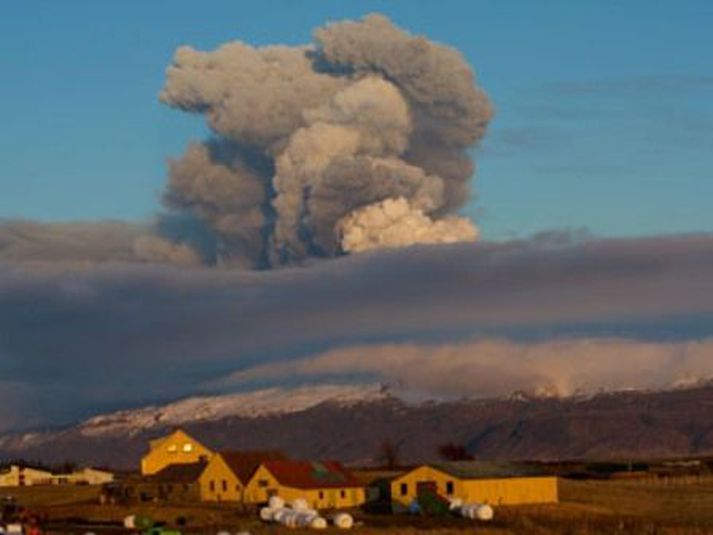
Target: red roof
x=244 y=463
x=311 y=475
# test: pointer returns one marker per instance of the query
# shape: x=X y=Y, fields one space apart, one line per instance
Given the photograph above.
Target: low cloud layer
x=78 y=337
x=493 y=367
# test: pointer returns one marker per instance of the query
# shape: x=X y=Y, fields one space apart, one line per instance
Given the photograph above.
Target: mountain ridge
x=351 y=423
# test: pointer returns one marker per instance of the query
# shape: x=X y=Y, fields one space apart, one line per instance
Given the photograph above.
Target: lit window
x=172 y=448
x=188 y=447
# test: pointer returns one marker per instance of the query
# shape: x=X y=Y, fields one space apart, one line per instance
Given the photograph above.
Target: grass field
x=677 y=506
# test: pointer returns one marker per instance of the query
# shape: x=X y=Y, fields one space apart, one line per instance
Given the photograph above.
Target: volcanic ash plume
x=396 y=223
x=356 y=142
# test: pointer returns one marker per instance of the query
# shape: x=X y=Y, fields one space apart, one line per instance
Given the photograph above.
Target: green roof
x=486 y=469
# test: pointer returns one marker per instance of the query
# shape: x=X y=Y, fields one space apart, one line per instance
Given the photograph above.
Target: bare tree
x=389 y=454
x=451 y=451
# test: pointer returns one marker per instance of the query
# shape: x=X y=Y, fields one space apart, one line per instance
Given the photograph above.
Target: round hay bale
x=343 y=520
x=300 y=504
x=275 y=502
x=318 y=523
x=484 y=512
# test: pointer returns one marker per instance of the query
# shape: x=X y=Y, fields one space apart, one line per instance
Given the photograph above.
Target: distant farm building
x=25 y=476
x=324 y=485
x=473 y=482
x=228 y=474
x=22 y=476
x=177 y=448
x=83 y=476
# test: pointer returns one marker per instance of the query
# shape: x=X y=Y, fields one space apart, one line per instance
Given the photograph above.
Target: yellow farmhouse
x=325 y=485
x=474 y=482
x=228 y=473
x=177 y=448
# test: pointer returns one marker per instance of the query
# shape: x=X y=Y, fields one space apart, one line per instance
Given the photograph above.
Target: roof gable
x=245 y=463
x=177 y=435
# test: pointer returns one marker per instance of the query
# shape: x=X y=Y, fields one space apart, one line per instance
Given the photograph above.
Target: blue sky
x=604 y=109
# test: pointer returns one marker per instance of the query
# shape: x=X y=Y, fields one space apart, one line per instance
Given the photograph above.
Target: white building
x=19 y=476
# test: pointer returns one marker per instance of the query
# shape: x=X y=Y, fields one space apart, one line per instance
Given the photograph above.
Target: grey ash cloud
x=310 y=135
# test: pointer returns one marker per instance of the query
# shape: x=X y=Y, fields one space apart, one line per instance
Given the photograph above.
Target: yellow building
x=177 y=448
x=325 y=485
x=24 y=476
x=228 y=473
x=474 y=482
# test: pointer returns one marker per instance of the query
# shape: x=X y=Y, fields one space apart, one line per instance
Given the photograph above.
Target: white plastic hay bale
x=318 y=523
x=343 y=520
x=455 y=503
x=279 y=514
x=484 y=512
x=275 y=502
x=467 y=510
x=223 y=533
x=305 y=519
x=289 y=520
x=266 y=514
x=13 y=528
x=242 y=533
x=130 y=522
x=300 y=504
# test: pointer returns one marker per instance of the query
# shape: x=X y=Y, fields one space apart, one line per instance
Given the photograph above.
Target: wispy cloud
x=494 y=367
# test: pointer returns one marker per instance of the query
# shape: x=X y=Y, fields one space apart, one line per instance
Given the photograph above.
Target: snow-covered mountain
x=254 y=404
x=352 y=423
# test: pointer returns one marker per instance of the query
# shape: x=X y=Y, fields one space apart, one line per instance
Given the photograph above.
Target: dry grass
x=674 y=507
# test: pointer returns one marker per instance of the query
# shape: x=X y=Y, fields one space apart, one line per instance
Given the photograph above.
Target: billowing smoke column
x=357 y=142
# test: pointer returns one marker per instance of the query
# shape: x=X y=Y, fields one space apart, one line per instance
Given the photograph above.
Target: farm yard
x=649 y=506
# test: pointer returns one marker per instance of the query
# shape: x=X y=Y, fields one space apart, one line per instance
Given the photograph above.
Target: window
x=404 y=489
x=211 y=485
x=262 y=483
x=224 y=485
x=321 y=495
x=172 y=448
x=342 y=493
x=449 y=487
x=188 y=447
